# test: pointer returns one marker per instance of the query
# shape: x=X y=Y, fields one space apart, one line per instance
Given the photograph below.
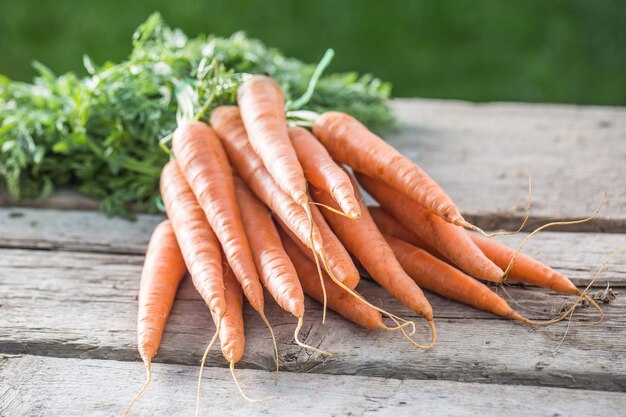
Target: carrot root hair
x=398 y=320
x=545 y=226
x=143 y=387
x=206 y=353
x=309 y=215
x=334 y=210
x=583 y=295
x=407 y=336
x=269 y=326
x=464 y=223
x=304 y=345
x=243 y=394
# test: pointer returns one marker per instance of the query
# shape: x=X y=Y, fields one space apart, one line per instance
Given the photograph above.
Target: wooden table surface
x=69 y=279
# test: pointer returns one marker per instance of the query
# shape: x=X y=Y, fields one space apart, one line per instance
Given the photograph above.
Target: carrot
x=441 y=278
x=389 y=225
x=339 y=260
x=448 y=239
x=204 y=164
x=363 y=239
x=525 y=269
x=338 y=300
x=228 y=124
x=197 y=242
x=321 y=171
x=350 y=142
x=163 y=269
x=263 y=113
x=275 y=268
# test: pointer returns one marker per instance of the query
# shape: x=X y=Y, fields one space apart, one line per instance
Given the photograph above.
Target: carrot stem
x=308 y=94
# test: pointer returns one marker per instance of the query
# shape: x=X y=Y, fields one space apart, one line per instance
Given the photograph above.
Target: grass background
x=483 y=50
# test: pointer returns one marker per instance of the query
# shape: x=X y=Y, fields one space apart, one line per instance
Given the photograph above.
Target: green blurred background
x=537 y=50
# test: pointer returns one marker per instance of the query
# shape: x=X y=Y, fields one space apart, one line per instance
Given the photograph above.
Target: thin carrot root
x=398 y=327
x=334 y=210
x=252 y=400
x=393 y=317
x=407 y=336
x=269 y=326
x=307 y=210
x=583 y=295
x=545 y=226
x=464 y=223
x=304 y=345
x=143 y=388
x=206 y=353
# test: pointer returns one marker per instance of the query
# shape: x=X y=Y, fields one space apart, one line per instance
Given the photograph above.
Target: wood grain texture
x=83 y=305
x=577 y=255
x=483 y=154
x=78 y=386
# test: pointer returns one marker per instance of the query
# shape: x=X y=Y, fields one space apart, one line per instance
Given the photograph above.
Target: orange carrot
x=163 y=269
x=228 y=124
x=263 y=113
x=447 y=281
x=390 y=226
x=275 y=268
x=525 y=269
x=338 y=300
x=203 y=162
x=232 y=339
x=339 y=259
x=321 y=171
x=198 y=243
x=350 y=142
x=363 y=239
x=450 y=240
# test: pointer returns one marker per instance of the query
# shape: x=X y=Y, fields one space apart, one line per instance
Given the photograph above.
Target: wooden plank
x=578 y=255
x=67 y=387
x=78 y=230
x=64 y=304
x=483 y=154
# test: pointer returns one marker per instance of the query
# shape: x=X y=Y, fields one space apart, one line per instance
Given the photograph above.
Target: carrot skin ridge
x=198 y=244
x=227 y=122
x=276 y=271
x=163 y=270
x=448 y=239
x=363 y=239
x=350 y=142
x=444 y=279
x=338 y=300
x=525 y=269
x=203 y=161
x=321 y=171
x=262 y=107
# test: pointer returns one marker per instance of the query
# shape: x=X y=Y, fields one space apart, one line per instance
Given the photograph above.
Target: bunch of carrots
x=253 y=202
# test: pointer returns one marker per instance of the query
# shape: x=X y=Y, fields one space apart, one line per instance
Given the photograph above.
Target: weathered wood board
x=80 y=304
x=483 y=155
x=77 y=387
